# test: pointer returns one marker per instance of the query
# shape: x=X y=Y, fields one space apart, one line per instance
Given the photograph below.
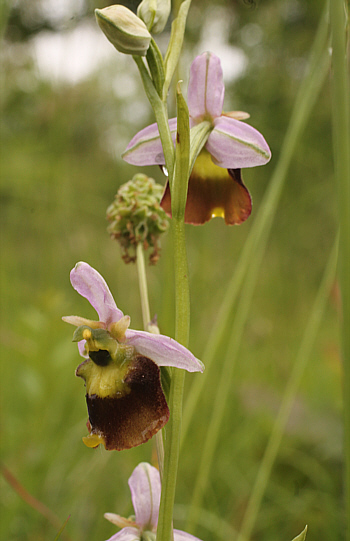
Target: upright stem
x=182 y=318
x=341 y=142
x=146 y=317
x=173 y=429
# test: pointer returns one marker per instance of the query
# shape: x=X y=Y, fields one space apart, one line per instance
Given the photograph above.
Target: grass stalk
x=250 y=264
x=293 y=383
x=306 y=98
x=341 y=143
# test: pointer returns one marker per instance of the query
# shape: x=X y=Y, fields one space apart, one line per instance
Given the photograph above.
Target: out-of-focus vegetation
x=60 y=169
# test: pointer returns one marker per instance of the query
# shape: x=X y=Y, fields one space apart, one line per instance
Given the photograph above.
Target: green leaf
x=182 y=158
x=301 y=536
x=175 y=45
x=156 y=66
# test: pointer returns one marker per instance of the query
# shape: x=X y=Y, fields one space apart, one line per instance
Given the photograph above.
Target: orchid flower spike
x=145 y=491
x=215 y=185
x=125 y=400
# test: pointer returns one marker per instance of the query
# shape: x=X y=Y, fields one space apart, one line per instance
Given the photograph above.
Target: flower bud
x=155 y=14
x=124 y=29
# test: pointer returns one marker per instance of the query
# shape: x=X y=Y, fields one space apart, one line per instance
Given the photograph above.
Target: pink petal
x=163 y=350
x=145 y=490
x=206 y=88
x=126 y=534
x=234 y=144
x=145 y=148
x=183 y=536
x=90 y=284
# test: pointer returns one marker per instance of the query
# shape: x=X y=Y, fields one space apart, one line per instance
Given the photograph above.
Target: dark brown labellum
x=130 y=419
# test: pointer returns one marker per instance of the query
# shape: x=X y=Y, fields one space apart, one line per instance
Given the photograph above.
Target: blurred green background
x=69 y=105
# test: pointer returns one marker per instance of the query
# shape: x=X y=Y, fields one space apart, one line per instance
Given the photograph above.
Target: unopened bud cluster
x=130 y=33
x=136 y=217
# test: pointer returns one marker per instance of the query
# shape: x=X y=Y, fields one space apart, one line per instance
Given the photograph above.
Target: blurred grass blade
x=31 y=500
x=249 y=266
x=306 y=98
x=300 y=363
x=62 y=528
x=213 y=523
x=341 y=144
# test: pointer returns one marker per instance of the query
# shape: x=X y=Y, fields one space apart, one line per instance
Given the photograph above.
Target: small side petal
x=179 y=535
x=119 y=521
x=145 y=148
x=78 y=321
x=126 y=534
x=145 y=488
x=234 y=144
x=90 y=284
x=206 y=87
x=163 y=350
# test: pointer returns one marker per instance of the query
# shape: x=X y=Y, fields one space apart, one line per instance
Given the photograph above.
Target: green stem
x=141 y=271
x=341 y=142
x=182 y=321
x=173 y=428
x=146 y=318
x=301 y=360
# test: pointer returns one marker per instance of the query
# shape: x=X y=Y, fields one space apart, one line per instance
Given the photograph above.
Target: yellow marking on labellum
x=93 y=440
x=104 y=381
x=218 y=212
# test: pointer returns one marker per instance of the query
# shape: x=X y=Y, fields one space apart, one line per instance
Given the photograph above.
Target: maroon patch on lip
x=205 y=195
x=134 y=418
